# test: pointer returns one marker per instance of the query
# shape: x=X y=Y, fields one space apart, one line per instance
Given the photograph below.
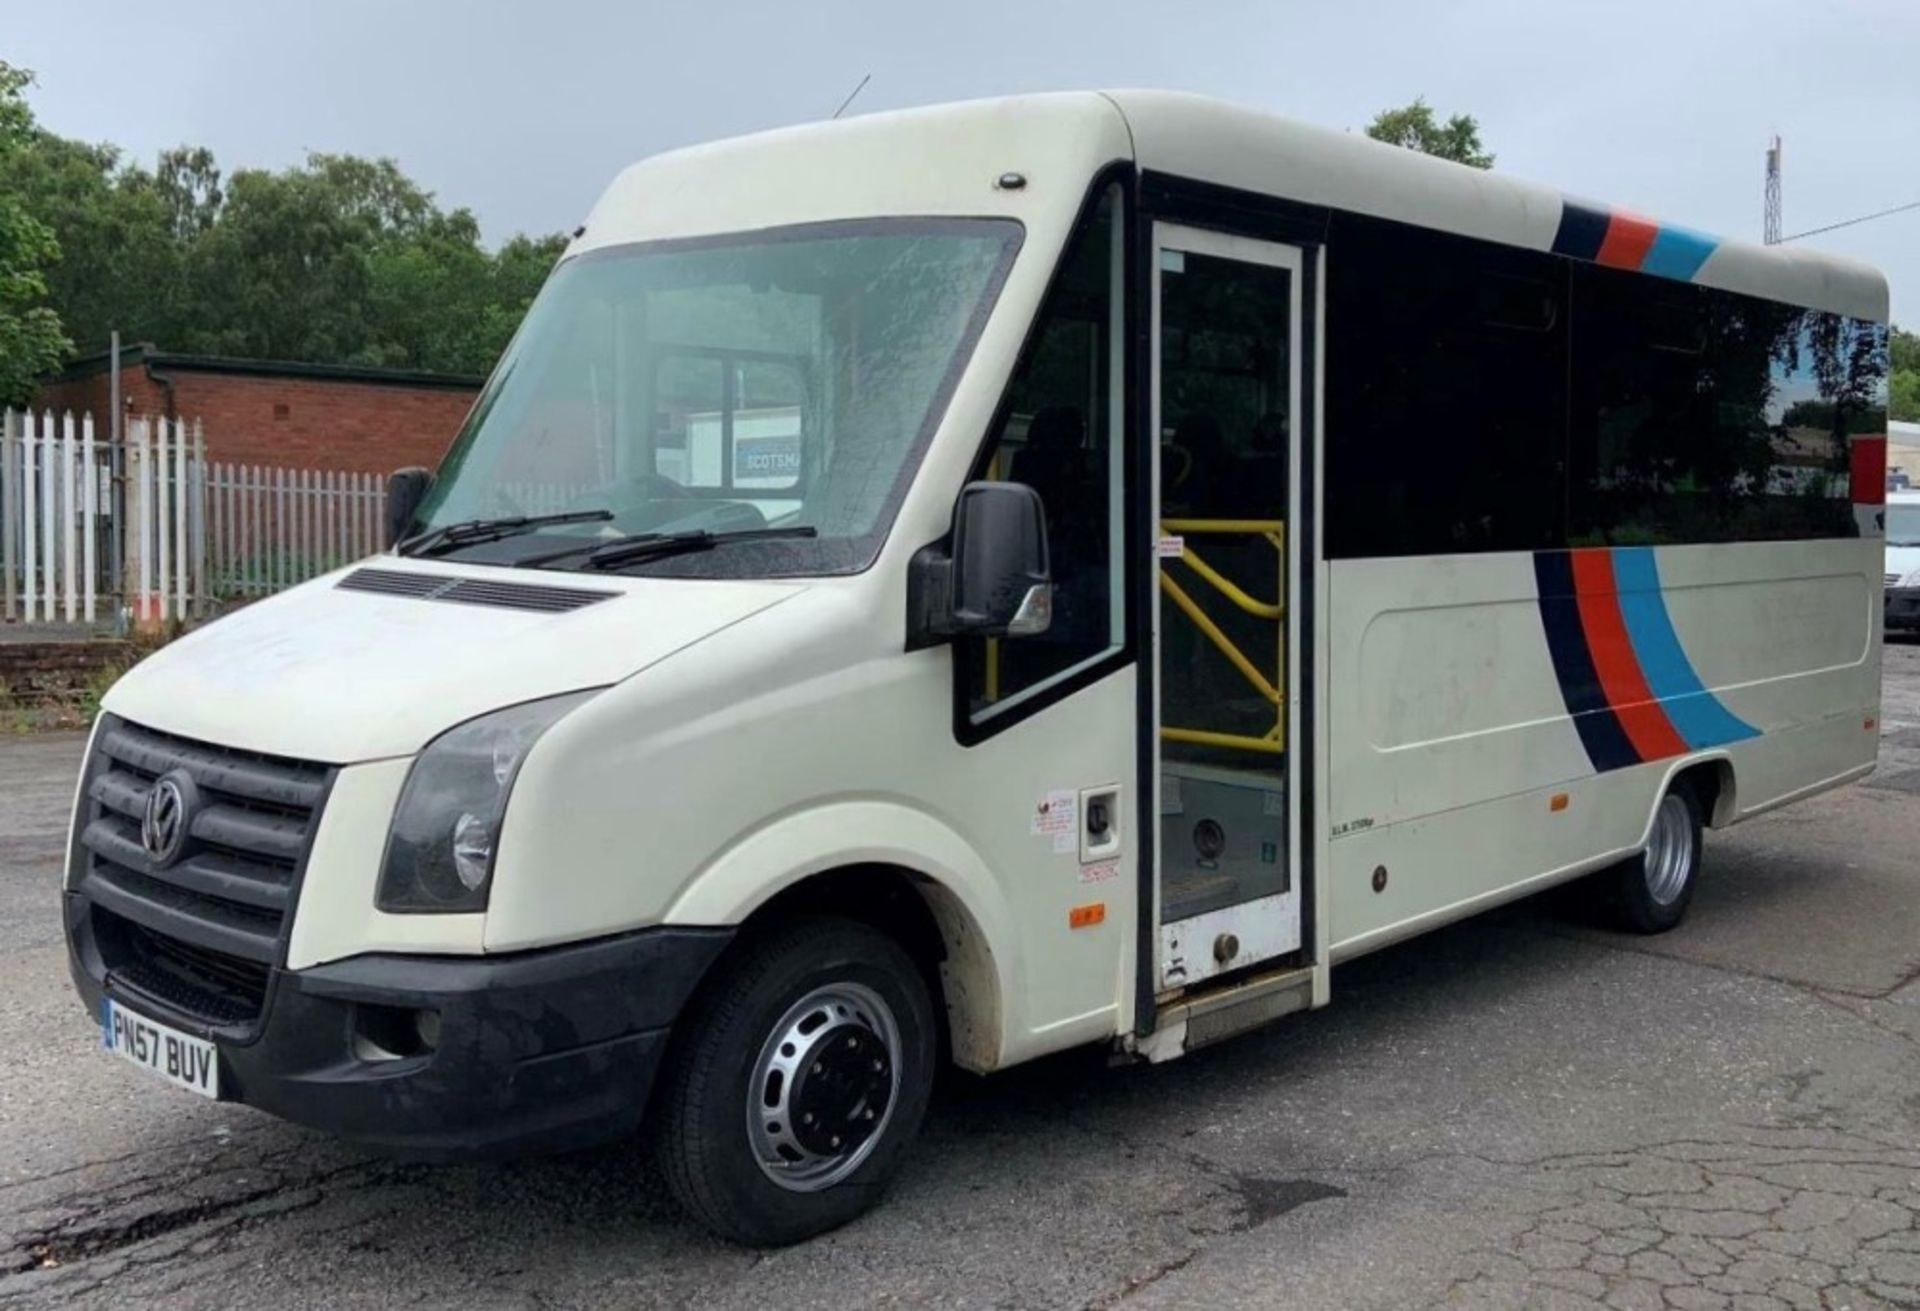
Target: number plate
x=188 y=1062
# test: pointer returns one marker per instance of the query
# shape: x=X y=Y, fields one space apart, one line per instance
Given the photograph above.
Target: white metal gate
x=51 y=517
x=157 y=532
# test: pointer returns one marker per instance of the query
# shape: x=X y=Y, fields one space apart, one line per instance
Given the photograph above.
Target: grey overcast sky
x=522 y=112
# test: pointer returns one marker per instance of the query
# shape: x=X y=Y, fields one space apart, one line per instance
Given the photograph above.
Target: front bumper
x=538 y=1051
x=1903 y=608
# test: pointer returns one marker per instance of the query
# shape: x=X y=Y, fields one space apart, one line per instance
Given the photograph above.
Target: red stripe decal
x=1614 y=662
x=1627 y=241
x=1867 y=470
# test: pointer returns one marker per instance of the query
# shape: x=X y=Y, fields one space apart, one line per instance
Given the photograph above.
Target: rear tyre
x=1651 y=891
x=800 y=1077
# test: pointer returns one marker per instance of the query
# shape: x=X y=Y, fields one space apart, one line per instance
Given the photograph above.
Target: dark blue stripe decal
x=1600 y=731
x=1582 y=229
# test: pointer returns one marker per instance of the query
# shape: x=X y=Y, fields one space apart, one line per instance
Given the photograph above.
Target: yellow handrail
x=1274 y=741
x=1239 y=742
x=1226 y=587
x=1235 y=526
x=1201 y=620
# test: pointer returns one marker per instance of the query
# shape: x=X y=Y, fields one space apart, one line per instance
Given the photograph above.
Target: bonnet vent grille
x=471 y=591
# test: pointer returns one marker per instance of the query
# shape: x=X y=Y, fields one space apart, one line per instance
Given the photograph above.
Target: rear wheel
x=801 y=1075
x=1651 y=891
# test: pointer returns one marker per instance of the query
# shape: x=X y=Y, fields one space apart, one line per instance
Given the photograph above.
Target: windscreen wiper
x=618 y=551
x=438 y=541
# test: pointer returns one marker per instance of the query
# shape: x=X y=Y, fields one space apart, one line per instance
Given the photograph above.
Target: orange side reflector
x=1558 y=801
x=1081 y=917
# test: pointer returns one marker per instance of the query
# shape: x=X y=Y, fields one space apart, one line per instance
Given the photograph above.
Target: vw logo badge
x=163 y=828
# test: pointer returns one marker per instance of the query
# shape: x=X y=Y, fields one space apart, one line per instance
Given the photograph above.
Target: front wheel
x=1651 y=891
x=799 y=1079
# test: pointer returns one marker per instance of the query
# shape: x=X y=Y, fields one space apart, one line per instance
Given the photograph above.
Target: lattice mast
x=1771 y=226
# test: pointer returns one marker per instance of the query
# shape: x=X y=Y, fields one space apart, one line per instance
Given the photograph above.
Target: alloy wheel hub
x=824 y=1086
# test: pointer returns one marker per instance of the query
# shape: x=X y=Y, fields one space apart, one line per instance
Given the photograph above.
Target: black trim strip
x=966 y=730
x=1301 y=752
x=1247 y=213
x=1142 y=580
x=1600 y=730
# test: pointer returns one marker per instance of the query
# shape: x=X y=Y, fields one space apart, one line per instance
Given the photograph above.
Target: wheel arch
x=916 y=880
x=1711 y=779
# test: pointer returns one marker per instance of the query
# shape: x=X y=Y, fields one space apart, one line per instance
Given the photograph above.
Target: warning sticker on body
x=1170 y=548
x=1100 y=872
x=1056 y=816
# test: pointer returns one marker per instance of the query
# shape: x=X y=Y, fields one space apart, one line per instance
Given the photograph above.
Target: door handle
x=1100 y=823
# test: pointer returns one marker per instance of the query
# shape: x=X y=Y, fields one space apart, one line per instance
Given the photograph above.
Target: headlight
x=446 y=829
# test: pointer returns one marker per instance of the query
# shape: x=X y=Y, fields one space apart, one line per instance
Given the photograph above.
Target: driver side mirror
x=406 y=488
x=995 y=582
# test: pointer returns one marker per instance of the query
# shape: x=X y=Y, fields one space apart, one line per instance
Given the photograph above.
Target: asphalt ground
x=1523 y=1110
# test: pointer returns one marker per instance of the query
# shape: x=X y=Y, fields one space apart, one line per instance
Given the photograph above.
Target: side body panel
x=698 y=795
x=1453 y=733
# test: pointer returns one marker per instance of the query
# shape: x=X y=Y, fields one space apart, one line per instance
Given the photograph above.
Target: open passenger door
x=1226 y=407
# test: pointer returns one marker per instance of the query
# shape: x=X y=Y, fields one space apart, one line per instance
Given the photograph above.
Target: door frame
x=1179 y=239
x=1233 y=224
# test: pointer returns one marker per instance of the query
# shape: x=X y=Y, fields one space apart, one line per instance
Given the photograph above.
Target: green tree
x=188 y=183
x=31 y=339
x=120 y=263
x=1903 y=378
x=1903 y=350
x=340 y=260
x=283 y=274
x=347 y=260
x=1415 y=127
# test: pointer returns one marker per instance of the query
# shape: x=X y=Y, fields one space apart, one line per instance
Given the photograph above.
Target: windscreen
x=780 y=380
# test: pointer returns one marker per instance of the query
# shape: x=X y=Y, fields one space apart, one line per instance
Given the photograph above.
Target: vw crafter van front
x=627 y=781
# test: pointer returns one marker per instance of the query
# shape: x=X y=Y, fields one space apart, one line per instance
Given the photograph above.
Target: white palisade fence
x=270 y=528
x=157 y=529
x=52 y=507
x=166 y=558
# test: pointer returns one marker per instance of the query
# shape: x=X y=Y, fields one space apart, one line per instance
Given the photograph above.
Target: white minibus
x=955 y=585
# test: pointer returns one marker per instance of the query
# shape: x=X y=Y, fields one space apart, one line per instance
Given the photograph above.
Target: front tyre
x=799 y=1078
x=1652 y=890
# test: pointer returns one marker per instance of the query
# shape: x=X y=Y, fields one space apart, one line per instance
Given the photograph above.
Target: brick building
x=306 y=416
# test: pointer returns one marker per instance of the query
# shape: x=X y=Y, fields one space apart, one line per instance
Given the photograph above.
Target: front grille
x=497 y=593
x=222 y=990
x=199 y=933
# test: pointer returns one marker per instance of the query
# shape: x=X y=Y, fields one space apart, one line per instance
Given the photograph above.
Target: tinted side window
x=1061 y=433
x=1707 y=416
x=1446 y=393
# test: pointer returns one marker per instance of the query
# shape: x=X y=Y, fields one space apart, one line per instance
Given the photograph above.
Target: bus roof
x=932 y=161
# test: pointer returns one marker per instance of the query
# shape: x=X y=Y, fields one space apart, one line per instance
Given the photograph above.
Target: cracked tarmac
x=1520 y=1111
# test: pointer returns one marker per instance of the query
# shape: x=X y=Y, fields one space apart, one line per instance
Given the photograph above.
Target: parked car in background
x=1903 y=561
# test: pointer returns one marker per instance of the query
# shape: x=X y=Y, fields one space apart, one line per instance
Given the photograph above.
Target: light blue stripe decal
x=1678 y=253
x=1695 y=712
